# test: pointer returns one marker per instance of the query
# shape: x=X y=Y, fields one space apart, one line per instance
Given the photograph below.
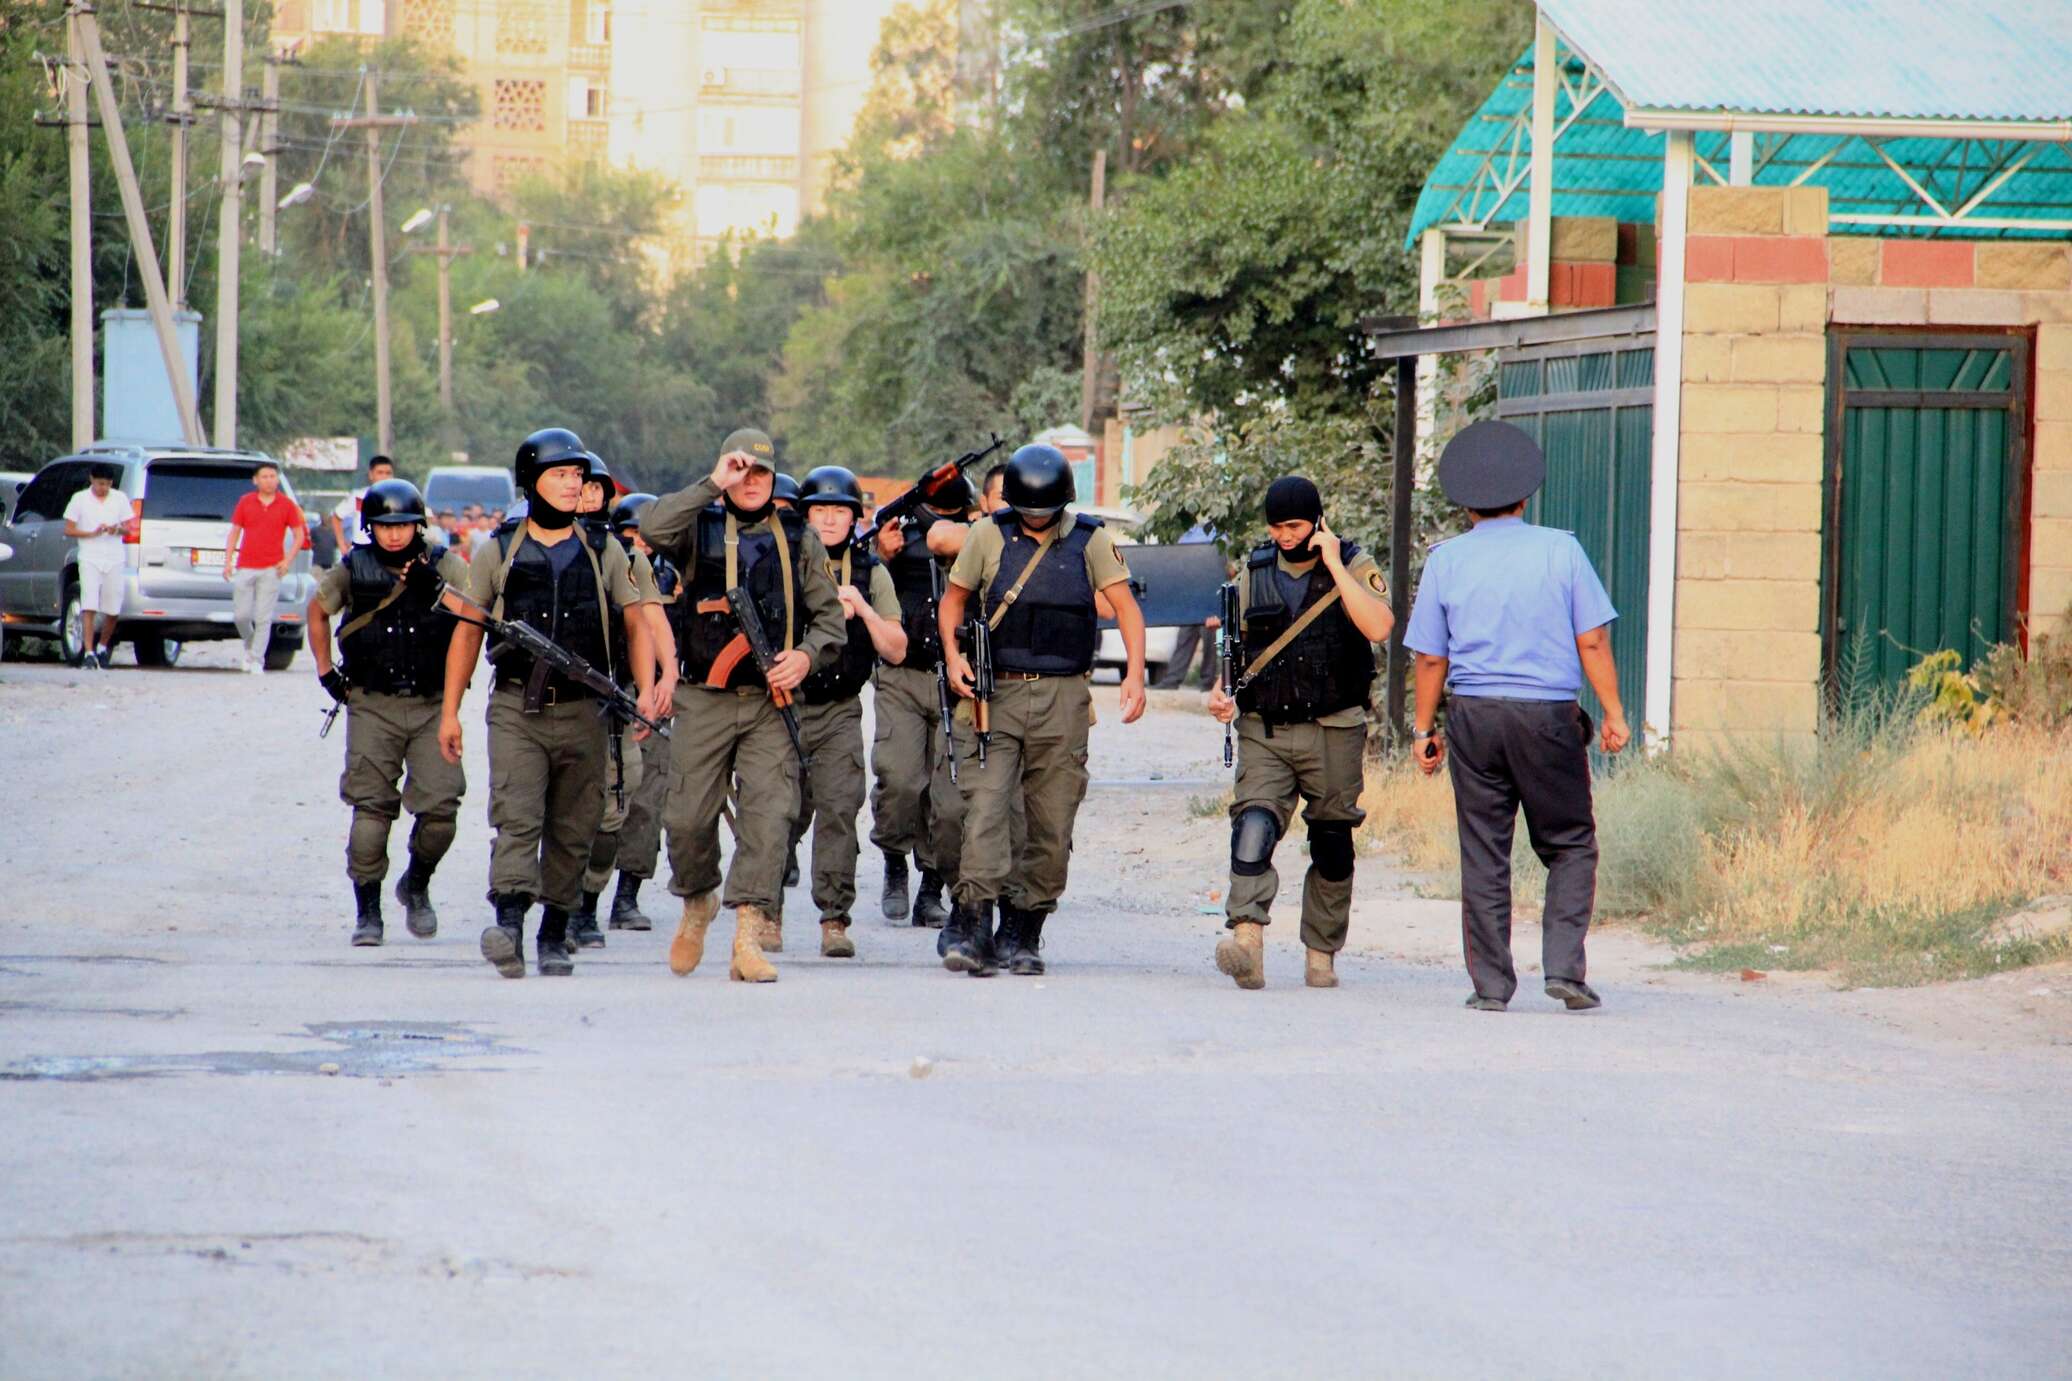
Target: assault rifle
x=551 y=658
x=765 y=653
x=977 y=637
x=944 y=702
x=896 y=510
x=1230 y=651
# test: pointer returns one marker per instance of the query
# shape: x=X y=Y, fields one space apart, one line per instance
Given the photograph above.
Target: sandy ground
x=240 y=1148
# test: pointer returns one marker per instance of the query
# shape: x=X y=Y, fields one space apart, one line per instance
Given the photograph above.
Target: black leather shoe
x=972 y=950
x=1579 y=996
x=503 y=944
x=1026 y=957
x=582 y=925
x=551 y=944
x=929 y=908
x=894 y=902
x=413 y=890
x=626 y=912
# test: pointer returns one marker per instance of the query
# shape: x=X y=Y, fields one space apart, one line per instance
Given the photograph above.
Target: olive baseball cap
x=756 y=445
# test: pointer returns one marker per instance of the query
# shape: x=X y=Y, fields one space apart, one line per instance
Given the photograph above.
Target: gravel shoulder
x=241 y=1148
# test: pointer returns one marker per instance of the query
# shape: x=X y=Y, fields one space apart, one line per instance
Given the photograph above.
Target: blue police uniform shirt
x=1504 y=602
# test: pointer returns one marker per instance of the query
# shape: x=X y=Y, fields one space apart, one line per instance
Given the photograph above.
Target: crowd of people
x=744 y=615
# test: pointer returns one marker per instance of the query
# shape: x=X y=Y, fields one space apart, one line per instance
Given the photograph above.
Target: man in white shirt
x=345 y=519
x=97 y=516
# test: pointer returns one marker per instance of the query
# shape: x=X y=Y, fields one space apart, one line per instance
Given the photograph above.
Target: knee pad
x=1252 y=836
x=1331 y=850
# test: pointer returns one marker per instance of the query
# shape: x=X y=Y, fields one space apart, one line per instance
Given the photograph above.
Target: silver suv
x=175 y=591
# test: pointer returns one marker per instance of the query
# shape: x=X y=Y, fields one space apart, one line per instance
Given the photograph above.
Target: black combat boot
x=972 y=951
x=413 y=890
x=582 y=925
x=1025 y=955
x=895 y=899
x=626 y=912
x=367 y=924
x=552 y=944
x=791 y=867
x=928 y=904
x=503 y=944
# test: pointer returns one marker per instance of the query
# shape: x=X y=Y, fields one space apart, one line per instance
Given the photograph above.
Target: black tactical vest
x=1053 y=627
x=570 y=611
x=666 y=578
x=1329 y=667
x=842 y=678
x=402 y=651
x=910 y=581
x=700 y=637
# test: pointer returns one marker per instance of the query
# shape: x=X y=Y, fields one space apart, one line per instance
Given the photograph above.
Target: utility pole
x=181 y=116
x=89 y=32
x=82 y=239
x=446 y=250
x=269 y=148
x=1090 y=372
x=229 y=222
x=374 y=122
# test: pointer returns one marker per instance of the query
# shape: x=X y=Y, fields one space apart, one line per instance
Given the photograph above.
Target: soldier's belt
x=554 y=693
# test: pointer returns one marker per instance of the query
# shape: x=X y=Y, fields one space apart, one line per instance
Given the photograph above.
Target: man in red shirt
x=265 y=530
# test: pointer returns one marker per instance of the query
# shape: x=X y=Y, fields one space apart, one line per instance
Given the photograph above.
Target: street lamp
x=484 y=307
x=299 y=193
x=418 y=220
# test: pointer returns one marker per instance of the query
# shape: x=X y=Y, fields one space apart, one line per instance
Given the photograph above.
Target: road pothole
x=353 y=1049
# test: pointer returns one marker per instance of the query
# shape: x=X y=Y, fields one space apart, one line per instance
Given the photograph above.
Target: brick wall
x=1763 y=281
x=1747 y=652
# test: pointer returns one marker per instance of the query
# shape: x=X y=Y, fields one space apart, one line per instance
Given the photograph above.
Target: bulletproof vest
x=402 y=650
x=701 y=618
x=1327 y=668
x=1052 y=627
x=842 y=678
x=910 y=581
x=570 y=611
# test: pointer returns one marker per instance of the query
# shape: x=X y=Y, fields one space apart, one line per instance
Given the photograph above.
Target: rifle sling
x=1014 y=591
x=1280 y=644
x=733 y=565
x=360 y=621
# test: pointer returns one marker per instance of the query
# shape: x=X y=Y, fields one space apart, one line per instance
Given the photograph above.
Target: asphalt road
x=237 y=1147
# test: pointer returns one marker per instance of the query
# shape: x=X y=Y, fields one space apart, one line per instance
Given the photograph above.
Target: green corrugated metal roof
x=1602 y=168
x=1962 y=59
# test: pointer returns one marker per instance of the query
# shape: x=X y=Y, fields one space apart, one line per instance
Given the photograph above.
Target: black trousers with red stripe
x=1532 y=754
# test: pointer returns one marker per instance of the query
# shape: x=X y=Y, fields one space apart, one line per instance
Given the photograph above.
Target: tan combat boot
x=688 y=947
x=1242 y=954
x=749 y=965
x=835 y=942
x=1317 y=971
x=770 y=934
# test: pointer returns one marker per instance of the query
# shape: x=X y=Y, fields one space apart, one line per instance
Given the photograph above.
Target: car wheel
x=280 y=651
x=72 y=627
x=153 y=651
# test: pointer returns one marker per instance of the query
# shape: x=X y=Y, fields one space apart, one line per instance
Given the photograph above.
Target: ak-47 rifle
x=758 y=644
x=943 y=700
x=1230 y=651
x=896 y=510
x=551 y=658
x=977 y=637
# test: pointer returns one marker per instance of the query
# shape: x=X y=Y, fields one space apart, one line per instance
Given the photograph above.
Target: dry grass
x=1885 y=852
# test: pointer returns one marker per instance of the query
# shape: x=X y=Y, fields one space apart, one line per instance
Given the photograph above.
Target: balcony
x=748 y=168
x=750 y=81
x=590 y=57
x=588 y=137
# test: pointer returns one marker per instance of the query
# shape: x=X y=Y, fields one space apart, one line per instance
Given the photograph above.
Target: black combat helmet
x=544 y=450
x=786 y=489
x=832 y=484
x=392 y=501
x=627 y=511
x=1039 y=481
x=597 y=472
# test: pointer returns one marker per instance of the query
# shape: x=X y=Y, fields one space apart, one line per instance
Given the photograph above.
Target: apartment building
x=742 y=103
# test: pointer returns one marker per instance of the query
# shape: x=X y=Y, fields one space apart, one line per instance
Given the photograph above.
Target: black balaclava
x=544 y=514
x=396 y=560
x=1292 y=497
x=755 y=515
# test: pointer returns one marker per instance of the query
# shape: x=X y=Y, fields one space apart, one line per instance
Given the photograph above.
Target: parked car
x=175 y=592
x=1158 y=642
x=457 y=486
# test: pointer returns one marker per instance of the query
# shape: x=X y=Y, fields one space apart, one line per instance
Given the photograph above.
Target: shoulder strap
x=1288 y=635
x=783 y=544
x=604 y=598
x=508 y=545
x=1014 y=591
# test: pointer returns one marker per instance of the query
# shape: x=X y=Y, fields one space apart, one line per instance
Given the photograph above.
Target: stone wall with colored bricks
x=1763 y=283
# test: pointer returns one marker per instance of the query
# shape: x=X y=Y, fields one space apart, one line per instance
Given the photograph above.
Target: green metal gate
x=1923 y=502
x=1590 y=405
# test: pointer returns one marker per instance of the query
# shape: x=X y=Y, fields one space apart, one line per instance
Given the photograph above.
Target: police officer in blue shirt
x=1510 y=618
